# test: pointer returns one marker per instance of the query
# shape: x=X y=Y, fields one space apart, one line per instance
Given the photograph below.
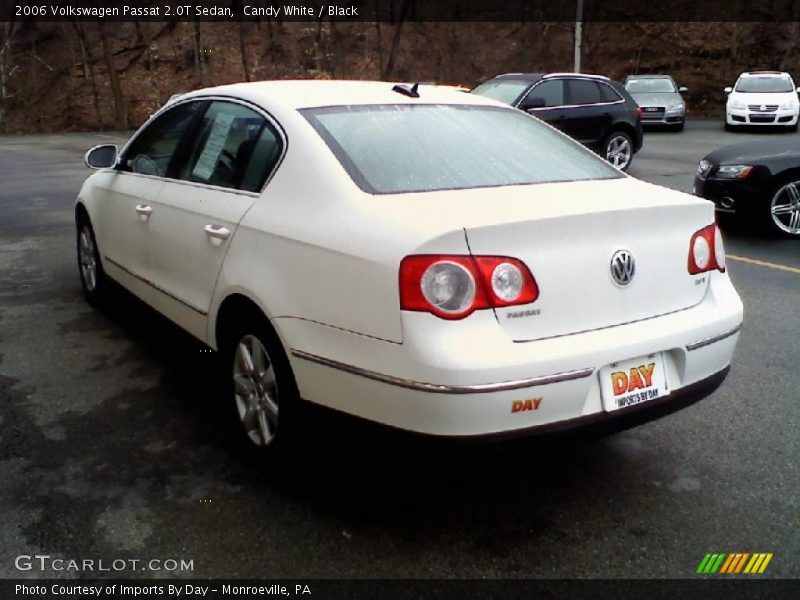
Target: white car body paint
x=320 y=257
x=755 y=109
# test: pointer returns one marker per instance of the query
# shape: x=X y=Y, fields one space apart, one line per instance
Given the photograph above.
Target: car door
x=551 y=92
x=232 y=150
x=128 y=191
x=590 y=114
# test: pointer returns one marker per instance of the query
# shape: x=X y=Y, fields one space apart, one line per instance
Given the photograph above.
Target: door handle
x=144 y=211
x=217 y=233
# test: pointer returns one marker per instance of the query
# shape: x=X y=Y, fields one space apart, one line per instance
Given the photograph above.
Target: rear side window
x=154 y=148
x=608 y=94
x=552 y=92
x=418 y=148
x=233 y=147
x=583 y=91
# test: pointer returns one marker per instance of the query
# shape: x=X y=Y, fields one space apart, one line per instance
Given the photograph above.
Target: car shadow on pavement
x=339 y=463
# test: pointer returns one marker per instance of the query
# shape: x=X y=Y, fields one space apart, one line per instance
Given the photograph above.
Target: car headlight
x=788 y=105
x=703 y=168
x=733 y=171
x=678 y=106
x=737 y=104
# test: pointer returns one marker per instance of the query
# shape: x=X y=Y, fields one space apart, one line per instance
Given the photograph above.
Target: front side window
x=552 y=92
x=583 y=91
x=503 y=90
x=154 y=148
x=419 y=148
x=765 y=85
x=233 y=147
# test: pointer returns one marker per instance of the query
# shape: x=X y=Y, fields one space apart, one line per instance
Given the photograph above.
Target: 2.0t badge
x=623 y=267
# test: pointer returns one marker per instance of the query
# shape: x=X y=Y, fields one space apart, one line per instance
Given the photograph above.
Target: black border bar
x=393 y=11
x=707 y=587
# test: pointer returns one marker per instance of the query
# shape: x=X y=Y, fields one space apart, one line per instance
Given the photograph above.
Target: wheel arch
x=233 y=306
x=627 y=128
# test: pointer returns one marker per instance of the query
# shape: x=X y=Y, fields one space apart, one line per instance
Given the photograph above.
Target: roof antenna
x=411 y=92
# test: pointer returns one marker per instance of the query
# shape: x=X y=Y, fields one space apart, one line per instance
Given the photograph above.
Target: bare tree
x=243 y=52
x=197 y=44
x=88 y=67
x=388 y=69
x=7 y=64
x=120 y=108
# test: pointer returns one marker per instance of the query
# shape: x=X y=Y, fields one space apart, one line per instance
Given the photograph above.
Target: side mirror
x=532 y=102
x=797 y=90
x=683 y=89
x=728 y=90
x=101 y=157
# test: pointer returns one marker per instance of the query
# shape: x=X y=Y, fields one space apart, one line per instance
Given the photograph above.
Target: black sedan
x=757 y=181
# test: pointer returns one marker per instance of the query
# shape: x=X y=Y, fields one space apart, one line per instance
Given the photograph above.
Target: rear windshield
x=765 y=85
x=390 y=149
x=502 y=90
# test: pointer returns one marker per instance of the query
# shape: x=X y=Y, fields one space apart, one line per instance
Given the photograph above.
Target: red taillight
x=454 y=286
x=706 y=251
x=639 y=113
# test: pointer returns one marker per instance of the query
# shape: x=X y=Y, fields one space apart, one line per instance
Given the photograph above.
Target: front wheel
x=618 y=149
x=93 y=278
x=262 y=386
x=784 y=209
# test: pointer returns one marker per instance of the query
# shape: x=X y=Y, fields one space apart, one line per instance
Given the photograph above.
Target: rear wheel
x=784 y=209
x=618 y=149
x=261 y=385
x=93 y=278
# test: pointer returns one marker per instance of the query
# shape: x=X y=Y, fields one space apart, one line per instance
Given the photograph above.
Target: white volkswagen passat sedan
x=762 y=98
x=427 y=259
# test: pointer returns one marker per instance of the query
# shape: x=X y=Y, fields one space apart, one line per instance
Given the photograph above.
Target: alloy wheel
x=255 y=390
x=87 y=259
x=618 y=151
x=785 y=208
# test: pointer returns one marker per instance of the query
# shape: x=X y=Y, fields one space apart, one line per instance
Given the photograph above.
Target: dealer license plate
x=632 y=382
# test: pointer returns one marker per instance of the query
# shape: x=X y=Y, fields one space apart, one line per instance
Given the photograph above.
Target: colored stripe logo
x=734 y=563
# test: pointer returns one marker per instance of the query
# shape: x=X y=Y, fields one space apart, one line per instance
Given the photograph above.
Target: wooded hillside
x=93 y=76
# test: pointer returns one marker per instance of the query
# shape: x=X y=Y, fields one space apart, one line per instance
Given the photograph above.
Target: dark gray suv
x=592 y=109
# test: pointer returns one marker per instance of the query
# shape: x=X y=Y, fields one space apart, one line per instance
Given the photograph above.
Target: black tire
x=90 y=269
x=792 y=128
x=617 y=137
x=268 y=412
x=729 y=127
x=678 y=127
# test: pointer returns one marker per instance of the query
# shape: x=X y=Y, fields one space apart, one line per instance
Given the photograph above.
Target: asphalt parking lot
x=113 y=443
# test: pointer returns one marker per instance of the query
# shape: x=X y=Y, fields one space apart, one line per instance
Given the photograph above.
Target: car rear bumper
x=474 y=381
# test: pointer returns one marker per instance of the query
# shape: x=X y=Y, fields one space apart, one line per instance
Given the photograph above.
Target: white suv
x=762 y=98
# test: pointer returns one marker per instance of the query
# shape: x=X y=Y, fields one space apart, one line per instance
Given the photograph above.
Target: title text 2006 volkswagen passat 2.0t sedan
x=423 y=258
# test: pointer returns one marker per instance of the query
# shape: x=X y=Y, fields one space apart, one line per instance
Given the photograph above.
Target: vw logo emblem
x=623 y=267
x=763 y=108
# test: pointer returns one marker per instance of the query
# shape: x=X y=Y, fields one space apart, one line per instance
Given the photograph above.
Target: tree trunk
x=88 y=69
x=198 y=54
x=243 y=51
x=120 y=110
x=404 y=10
